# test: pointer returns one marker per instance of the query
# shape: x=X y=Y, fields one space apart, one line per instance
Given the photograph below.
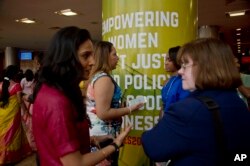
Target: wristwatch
x=116 y=146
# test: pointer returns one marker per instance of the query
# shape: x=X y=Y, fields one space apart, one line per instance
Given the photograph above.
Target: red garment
x=55 y=128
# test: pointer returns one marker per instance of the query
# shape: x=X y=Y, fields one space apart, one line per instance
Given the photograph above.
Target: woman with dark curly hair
x=60 y=123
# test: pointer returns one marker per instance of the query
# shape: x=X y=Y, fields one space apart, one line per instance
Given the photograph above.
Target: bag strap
x=213 y=107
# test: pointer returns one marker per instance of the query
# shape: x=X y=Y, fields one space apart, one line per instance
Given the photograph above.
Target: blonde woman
x=104 y=96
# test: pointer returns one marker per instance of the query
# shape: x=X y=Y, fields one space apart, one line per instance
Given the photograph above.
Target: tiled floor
x=29 y=161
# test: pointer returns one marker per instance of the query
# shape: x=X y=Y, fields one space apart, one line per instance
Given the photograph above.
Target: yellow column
x=142 y=32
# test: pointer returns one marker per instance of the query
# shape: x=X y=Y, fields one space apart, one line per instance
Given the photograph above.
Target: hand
x=95 y=140
x=136 y=106
x=120 y=138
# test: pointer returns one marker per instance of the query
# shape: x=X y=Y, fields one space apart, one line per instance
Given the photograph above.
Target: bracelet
x=129 y=110
x=115 y=146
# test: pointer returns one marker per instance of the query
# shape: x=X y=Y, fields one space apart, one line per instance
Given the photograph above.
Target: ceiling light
x=238 y=29
x=66 y=12
x=238 y=34
x=237 y=13
x=238 y=39
x=26 y=20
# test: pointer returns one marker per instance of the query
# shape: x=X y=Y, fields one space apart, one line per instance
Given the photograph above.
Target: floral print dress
x=98 y=126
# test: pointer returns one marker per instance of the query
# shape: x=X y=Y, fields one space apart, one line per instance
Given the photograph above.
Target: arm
x=103 y=90
x=90 y=159
x=19 y=97
x=63 y=134
x=96 y=140
x=22 y=83
x=167 y=137
x=20 y=101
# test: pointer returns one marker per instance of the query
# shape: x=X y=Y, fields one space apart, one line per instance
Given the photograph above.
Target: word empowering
x=141 y=19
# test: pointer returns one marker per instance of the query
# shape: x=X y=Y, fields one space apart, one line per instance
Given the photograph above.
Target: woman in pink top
x=60 y=122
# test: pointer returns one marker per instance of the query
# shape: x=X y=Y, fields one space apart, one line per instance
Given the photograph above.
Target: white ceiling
x=37 y=36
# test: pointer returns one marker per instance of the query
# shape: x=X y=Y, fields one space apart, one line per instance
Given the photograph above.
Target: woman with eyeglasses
x=187 y=134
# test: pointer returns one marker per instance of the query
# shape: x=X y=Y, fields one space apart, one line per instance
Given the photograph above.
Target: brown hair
x=101 y=55
x=214 y=66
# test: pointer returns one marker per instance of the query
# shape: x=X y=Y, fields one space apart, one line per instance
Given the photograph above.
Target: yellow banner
x=142 y=31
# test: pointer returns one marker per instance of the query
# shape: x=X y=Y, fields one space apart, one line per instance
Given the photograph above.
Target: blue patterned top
x=100 y=127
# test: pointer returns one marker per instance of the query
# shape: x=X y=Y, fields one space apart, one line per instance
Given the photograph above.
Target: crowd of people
x=14 y=145
x=17 y=141
x=67 y=124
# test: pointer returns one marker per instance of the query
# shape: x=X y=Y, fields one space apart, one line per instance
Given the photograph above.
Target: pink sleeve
x=63 y=129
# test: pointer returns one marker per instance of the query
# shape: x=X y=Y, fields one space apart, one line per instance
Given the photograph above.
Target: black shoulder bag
x=213 y=107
